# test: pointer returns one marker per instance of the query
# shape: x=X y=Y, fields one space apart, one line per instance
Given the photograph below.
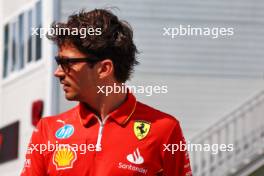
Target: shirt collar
x=121 y=115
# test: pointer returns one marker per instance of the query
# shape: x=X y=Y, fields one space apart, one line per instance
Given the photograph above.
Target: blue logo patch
x=65 y=132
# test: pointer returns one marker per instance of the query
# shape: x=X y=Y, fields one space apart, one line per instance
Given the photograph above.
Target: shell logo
x=64 y=158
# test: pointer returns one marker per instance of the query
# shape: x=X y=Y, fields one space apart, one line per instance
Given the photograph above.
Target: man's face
x=80 y=82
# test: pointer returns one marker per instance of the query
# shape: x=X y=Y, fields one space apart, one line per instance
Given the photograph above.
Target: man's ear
x=105 y=68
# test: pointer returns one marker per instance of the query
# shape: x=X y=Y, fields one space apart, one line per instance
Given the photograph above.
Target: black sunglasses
x=66 y=63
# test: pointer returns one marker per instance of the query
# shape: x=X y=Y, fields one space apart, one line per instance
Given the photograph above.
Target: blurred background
x=215 y=86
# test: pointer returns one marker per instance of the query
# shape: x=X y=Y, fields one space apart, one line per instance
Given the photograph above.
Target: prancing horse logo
x=141 y=129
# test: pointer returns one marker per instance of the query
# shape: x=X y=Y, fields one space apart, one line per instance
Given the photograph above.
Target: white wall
x=1 y=55
x=17 y=97
x=13 y=7
x=237 y=56
x=21 y=88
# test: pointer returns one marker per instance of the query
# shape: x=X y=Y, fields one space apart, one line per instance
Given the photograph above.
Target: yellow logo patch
x=64 y=158
x=141 y=129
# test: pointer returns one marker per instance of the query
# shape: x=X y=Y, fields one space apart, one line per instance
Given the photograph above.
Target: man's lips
x=65 y=88
x=65 y=85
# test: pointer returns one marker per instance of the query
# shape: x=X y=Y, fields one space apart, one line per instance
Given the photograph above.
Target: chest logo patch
x=64 y=158
x=135 y=158
x=141 y=129
x=65 y=132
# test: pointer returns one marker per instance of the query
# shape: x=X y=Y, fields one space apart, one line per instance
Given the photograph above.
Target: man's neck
x=110 y=103
x=106 y=104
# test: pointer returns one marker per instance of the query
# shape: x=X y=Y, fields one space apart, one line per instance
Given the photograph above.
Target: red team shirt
x=129 y=141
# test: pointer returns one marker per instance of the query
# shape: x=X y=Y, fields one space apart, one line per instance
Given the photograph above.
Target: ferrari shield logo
x=141 y=129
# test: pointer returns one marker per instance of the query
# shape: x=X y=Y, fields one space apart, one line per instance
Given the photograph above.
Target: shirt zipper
x=98 y=146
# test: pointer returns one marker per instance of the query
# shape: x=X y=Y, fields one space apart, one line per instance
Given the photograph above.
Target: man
x=111 y=135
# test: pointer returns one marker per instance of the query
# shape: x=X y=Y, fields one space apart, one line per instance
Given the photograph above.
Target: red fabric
x=37 y=109
x=1 y=140
x=122 y=152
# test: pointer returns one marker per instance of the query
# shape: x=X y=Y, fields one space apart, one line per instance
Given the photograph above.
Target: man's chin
x=70 y=97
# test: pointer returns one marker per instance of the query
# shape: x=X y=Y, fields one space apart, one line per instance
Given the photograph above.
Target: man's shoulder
x=61 y=117
x=156 y=116
x=161 y=124
x=48 y=126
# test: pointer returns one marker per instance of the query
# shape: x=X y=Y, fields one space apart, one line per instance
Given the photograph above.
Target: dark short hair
x=115 y=41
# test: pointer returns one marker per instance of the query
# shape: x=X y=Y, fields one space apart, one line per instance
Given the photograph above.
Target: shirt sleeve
x=34 y=161
x=176 y=160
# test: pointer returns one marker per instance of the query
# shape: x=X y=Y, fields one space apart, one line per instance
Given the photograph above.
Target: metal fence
x=244 y=129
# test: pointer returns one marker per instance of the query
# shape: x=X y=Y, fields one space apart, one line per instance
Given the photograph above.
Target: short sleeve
x=176 y=160
x=34 y=162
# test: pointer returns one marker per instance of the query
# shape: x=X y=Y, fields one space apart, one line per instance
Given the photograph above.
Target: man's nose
x=59 y=72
